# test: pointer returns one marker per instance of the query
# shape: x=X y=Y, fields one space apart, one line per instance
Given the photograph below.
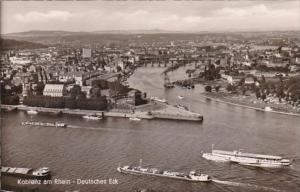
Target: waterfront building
x=54 y=90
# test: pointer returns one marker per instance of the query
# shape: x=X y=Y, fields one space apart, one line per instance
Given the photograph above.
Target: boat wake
x=247 y=185
x=97 y=128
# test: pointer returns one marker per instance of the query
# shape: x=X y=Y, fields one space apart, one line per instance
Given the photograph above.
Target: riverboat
x=92 y=117
x=268 y=108
x=180 y=97
x=158 y=99
x=250 y=159
x=39 y=173
x=134 y=119
x=44 y=124
x=191 y=176
x=32 y=112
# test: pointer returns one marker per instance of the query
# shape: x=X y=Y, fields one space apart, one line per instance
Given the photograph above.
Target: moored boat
x=40 y=173
x=268 y=108
x=250 y=159
x=180 y=97
x=32 y=112
x=92 y=117
x=134 y=119
x=191 y=176
x=158 y=99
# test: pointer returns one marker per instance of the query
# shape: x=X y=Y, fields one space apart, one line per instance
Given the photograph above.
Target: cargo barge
x=44 y=124
x=192 y=176
x=39 y=173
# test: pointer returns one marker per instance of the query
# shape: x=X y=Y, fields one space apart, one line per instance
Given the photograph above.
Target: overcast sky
x=177 y=16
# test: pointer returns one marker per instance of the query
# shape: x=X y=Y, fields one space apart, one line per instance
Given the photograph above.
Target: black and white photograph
x=150 y=96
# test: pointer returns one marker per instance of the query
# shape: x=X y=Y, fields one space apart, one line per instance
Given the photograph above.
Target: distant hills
x=151 y=31
x=124 y=37
x=67 y=33
x=9 y=44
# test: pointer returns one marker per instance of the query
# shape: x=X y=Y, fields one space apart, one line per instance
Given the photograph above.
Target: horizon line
x=134 y=31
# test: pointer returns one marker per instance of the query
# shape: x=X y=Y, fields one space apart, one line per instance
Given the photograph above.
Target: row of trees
x=63 y=102
x=209 y=88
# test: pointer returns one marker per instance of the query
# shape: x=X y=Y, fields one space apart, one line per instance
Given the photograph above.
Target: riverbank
x=154 y=110
x=250 y=102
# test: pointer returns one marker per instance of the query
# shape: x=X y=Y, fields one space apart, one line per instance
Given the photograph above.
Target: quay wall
x=193 y=117
x=140 y=114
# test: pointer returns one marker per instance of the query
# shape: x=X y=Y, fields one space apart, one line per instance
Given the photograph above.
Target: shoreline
x=164 y=112
x=78 y=111
x=221 y=100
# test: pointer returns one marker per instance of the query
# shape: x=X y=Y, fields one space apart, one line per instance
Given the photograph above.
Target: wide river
x=93 y=149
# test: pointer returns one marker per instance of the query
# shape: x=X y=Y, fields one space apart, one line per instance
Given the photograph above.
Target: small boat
x=134 y=119
x=32 y=112
x=39 y=173
x=11 y=109
x=139 y=170
x=268 y=108
x=180 y=97
x=158 y=99
x=250 y=159
x=92 y=117
x=182 y=107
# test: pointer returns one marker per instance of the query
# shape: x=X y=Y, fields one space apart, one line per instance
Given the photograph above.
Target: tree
x=217 y=88
x=95 y=92
x=230 y=88
x=39 y=88
x=257 y=93
x=119 y=68
x=208 y=88
x=75 y=91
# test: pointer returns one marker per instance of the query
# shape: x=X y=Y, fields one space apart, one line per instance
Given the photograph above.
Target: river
x=93 y=150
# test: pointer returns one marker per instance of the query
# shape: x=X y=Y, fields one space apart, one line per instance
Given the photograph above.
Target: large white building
x=19 y=60
x=54 y=90
x=86 y=53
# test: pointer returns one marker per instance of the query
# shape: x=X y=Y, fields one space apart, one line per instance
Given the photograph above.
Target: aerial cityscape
x=199 y=102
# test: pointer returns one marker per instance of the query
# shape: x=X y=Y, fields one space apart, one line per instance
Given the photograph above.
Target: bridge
x=157 y=61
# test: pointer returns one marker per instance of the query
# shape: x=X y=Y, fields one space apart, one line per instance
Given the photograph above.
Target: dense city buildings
x=200 y=95
x=244 y=63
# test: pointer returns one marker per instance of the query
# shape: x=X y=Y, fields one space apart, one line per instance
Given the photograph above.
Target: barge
x=39 y=173
x=44 y=124
x=192 y=176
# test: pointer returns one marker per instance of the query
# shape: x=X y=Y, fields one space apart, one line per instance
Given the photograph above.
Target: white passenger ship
x=251 y=159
